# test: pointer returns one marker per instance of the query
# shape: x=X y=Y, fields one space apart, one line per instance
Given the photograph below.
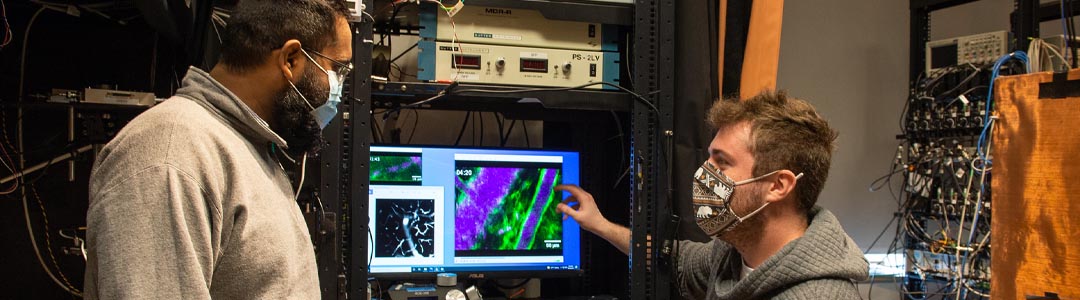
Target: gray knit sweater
x=822 y=264
x=189 y=202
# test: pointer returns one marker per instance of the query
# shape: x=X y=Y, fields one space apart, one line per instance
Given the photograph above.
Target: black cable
x=416 y=123
x=395 y=131
x=894 y=246
x=637 y=96
x=377 y=130
x=389 y=23
x=671 y=208
x=401 y=72
x=445 y=92
x=911 y=97
x=880 y=182
x=525 y=127
x=371 y=252
x=959 y=187
x=472 y=130
x=957 y=99
x=509 y=130
x=1072 y=31
x=480 y=116
x=1067 y=38
x=962 y=83
x=883 y=230
x=891 y=250
x=441 y=94
x=622 y=140
x=392 y=60
x=1067 y=41
x=498 y=120
x=462 y=131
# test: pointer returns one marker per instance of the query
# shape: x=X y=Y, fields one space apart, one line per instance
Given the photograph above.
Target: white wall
x=849 y=58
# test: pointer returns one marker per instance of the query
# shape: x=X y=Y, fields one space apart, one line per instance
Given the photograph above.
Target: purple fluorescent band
x=539 y=203
x=484 y=194
x=412 y=161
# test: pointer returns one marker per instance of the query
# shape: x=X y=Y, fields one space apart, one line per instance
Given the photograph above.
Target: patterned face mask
x=712 y=196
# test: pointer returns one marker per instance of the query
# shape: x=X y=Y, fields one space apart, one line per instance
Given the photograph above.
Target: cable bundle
x=943 y=215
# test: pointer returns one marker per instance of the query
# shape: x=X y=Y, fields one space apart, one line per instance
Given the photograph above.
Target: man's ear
x=781 y=185
x=290 y=59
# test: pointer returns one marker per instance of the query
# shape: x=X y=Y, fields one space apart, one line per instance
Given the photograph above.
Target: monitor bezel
x=487 y=274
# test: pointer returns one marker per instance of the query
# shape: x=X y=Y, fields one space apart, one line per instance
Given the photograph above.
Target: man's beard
x=747 y=200
x=293 y=120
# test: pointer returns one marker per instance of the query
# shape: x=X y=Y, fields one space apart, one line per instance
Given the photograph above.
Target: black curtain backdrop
x=696 y=89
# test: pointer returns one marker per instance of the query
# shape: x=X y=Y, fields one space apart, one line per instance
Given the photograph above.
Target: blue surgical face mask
x=325 y=112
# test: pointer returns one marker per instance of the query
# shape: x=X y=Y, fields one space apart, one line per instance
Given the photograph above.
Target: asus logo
x=497 y=11
x=476 y=276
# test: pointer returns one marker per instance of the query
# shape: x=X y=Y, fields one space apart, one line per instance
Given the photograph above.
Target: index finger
x=572 y=189
x=576 y=193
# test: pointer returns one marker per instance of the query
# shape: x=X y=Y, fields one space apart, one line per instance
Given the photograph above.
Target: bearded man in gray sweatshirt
x=191 y=199
x=756 y=196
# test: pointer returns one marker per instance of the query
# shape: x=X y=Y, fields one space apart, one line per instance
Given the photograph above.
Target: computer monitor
x=480 y=213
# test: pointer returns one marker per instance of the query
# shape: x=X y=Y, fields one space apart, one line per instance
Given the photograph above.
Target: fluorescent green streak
x=525 y=220
x=540 y=222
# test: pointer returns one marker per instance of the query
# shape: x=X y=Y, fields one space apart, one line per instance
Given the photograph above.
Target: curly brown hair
x=785 y=133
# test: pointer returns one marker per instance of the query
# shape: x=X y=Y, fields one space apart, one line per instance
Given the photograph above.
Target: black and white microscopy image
x=405 y=227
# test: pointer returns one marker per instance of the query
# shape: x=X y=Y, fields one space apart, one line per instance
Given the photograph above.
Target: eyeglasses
x=343 y=68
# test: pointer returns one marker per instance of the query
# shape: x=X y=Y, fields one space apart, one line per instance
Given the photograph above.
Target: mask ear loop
x=328 y=75
x=313 y=61
x=751 y=214
x=306 y=101
x=737 y=183
x=301 y=95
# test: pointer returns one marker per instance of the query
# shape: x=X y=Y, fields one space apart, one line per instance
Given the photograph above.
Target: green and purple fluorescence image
x=395 y=169
x=507 y=209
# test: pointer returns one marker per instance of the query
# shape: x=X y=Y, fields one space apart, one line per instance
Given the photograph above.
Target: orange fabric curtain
x=762 y=56
x=722 y=20
x=1036 y=181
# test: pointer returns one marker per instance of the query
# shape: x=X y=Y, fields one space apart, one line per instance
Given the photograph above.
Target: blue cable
x=1018 y=55
x=983 y=137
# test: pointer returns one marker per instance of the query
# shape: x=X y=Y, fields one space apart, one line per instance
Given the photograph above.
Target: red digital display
x=466 y=61
x=534 y=65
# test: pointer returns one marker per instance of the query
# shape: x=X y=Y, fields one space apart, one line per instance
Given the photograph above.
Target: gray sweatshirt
x=822 y=264
x=189 y=202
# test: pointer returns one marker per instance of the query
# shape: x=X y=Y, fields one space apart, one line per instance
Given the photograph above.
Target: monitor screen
x=470 y=211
